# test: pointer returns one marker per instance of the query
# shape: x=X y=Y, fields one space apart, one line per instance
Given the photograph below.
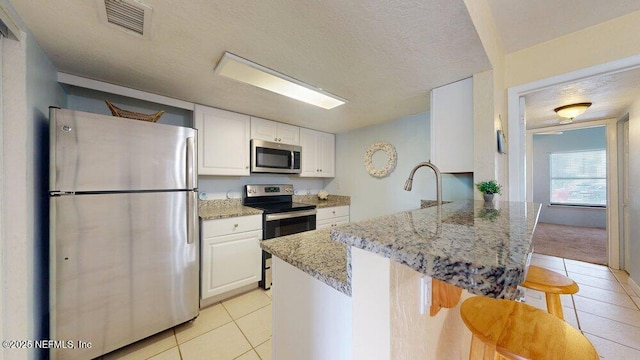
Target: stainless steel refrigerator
x=124 y=255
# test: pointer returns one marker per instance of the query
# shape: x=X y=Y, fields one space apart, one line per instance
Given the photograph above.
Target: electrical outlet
x=426 y=292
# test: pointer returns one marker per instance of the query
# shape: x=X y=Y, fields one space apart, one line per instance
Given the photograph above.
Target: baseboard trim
x=217 y=298
x=634 y=286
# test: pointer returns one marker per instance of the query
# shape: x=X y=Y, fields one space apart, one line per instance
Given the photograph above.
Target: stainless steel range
x=281 y=216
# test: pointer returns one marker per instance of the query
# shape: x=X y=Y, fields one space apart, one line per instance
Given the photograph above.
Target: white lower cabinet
x=231 y=254
x=332 y=216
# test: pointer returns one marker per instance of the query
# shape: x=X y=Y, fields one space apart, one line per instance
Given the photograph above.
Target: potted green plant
x=488 y=189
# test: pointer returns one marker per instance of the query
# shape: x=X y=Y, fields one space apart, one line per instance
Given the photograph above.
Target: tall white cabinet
x=223 y=141
x=452 y=127
x=318 y=153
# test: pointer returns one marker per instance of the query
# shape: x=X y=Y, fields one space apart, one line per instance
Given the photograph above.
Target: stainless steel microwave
x=270 y=157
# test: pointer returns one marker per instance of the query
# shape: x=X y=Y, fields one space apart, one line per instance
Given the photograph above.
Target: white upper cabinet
x=223 y=142
x=452 y=127
x=318 y=153
x=274 y=131
x=327 y=154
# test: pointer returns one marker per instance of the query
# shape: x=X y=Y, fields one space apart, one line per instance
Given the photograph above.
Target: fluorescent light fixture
x=237 y=68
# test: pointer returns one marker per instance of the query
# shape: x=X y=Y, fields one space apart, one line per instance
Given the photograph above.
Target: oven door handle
x=289 y=215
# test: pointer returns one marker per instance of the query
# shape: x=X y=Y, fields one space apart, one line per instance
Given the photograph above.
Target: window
x=579 y=178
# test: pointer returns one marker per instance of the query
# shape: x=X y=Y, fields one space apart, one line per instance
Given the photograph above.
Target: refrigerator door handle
x=192 y=218
x=192 y=201
x=191 y=159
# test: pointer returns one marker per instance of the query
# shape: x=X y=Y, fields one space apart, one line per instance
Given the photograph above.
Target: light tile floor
x=606 y=309
x=237 y=328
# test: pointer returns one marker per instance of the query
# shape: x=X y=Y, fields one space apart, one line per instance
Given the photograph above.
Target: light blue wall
x=93 y=101
x=42 y=91
x=32 y=88
x=572 y=140
x=220 y=187
x=372 y=196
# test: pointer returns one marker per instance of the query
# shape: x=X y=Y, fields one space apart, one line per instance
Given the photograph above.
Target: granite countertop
x=226 y=208
x=316 y=254
x=220 y=209
x=468 y=244
x=332 y=200
x=430 y=203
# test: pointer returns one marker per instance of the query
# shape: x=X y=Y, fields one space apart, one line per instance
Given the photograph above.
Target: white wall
x=599 y=44
x=634 y=190
x=570 y=140
x=372 y=196
x=29 y=88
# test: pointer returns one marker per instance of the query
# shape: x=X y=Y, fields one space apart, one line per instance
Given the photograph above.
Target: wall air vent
x=131 y=16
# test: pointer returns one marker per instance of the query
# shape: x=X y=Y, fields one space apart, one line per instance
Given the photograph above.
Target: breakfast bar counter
x=375 y=305
x=480 y=247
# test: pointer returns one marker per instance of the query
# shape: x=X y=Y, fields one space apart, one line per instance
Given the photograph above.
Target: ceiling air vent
x=131 y=16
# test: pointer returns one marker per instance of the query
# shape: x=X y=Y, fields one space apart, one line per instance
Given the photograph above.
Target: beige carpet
x=571 y=242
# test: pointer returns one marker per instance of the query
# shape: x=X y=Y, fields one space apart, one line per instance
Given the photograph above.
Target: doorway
x=569 y=178
x=519 y=150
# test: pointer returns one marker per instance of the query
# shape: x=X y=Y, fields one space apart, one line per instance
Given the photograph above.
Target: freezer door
x=122 y=268
x=91 y=152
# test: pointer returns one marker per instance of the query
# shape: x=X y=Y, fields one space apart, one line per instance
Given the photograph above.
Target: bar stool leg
x=481 y=351
x=554 y=305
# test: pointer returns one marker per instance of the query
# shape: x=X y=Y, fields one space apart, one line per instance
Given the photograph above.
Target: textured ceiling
x=611 y=96
x=384 y=56
x=523 y=23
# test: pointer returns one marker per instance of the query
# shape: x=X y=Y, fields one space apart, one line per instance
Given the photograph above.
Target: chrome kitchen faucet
x=409 y=182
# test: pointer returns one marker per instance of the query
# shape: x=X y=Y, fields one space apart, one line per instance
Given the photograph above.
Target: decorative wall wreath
x=391 y=159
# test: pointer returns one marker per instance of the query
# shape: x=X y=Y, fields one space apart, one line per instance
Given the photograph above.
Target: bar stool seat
x=552 y=284
x=513 y=330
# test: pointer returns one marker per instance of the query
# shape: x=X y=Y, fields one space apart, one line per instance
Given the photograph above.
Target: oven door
x=287 y=223
x=281 y=224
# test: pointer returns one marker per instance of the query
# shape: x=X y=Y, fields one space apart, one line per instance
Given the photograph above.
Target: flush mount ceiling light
x=569 y=112
x=240 y=69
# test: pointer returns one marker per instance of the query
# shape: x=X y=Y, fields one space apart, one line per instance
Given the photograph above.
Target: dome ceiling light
x=569 y=112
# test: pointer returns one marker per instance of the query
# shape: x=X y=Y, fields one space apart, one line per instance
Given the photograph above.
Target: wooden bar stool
x=512 y=330
x=552 y=284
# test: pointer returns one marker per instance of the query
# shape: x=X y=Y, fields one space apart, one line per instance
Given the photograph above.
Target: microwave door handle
x=292 y=160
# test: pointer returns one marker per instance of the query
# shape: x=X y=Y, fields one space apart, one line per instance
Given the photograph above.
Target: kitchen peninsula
x=374 y=270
